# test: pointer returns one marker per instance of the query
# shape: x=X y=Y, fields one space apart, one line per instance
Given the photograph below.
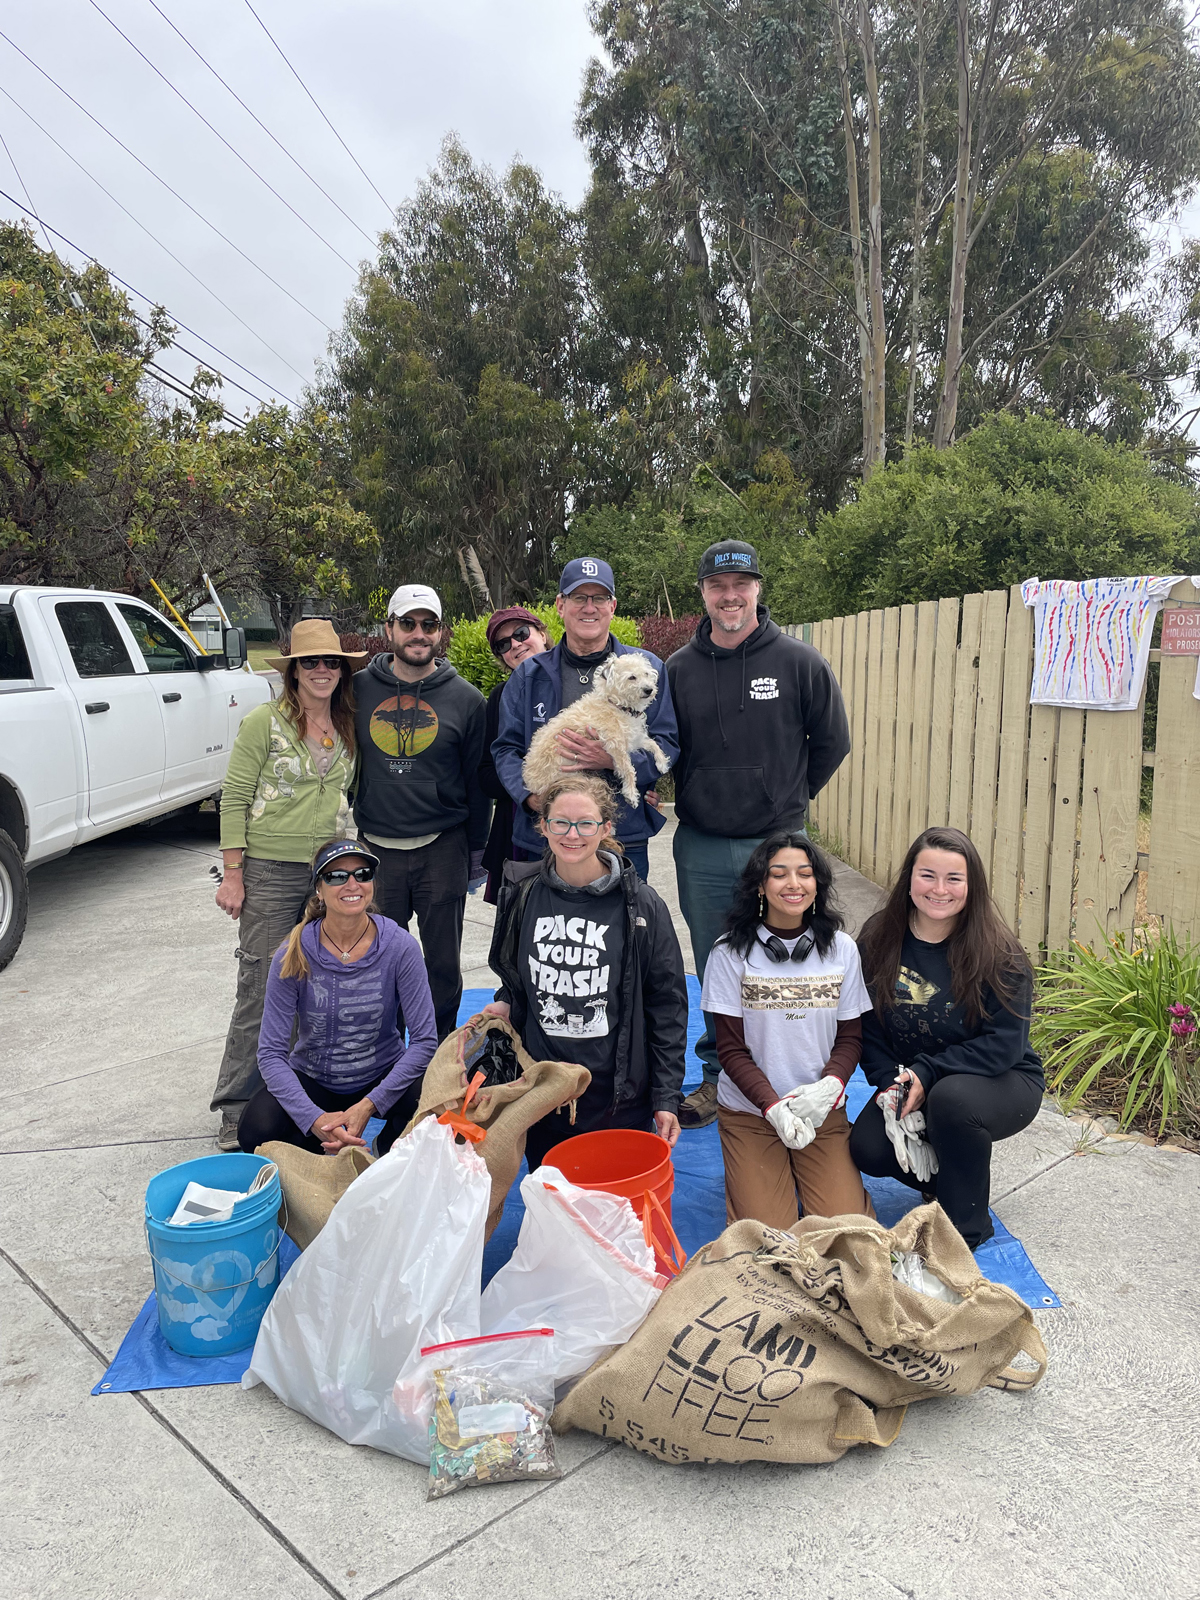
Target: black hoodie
x=762 y=729
x=420 y=745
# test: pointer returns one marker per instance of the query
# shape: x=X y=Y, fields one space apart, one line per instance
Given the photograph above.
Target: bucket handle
x=677 y=1258
x=222 y=1288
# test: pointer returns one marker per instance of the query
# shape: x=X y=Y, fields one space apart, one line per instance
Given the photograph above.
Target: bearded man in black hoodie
x=762 y=728
x=418 y=801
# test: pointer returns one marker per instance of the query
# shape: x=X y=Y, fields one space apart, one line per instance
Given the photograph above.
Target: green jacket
x=274 y=802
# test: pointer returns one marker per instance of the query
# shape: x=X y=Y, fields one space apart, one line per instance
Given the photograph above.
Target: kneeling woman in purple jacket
x=348 y=981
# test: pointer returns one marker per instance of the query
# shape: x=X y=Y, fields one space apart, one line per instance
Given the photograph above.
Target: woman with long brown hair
x=342 y=993
x=946 y=1044
x=285 y=791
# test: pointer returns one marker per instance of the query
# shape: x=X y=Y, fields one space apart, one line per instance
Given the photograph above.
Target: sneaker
x=700 y=1107
x=227 y=1139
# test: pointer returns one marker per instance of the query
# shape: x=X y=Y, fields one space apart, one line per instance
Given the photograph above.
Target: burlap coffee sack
x=795 y=1346
x=312 y=1185
x=507 y=1110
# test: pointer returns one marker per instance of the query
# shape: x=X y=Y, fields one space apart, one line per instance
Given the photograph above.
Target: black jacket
x=652 y=1034
x=761 y=730
x=420 y=747
x=500 y=838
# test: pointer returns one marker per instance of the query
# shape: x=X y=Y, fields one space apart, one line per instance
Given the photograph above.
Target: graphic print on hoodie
x=570 y=951
x=420 y=746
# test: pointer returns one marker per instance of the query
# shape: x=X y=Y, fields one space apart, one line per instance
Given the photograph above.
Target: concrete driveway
x=112 y=1019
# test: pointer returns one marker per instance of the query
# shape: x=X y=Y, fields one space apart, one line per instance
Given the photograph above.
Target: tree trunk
x=865 y=349
x=918 y=235
x=874 y=246
x=472 y=572
x=947 y=412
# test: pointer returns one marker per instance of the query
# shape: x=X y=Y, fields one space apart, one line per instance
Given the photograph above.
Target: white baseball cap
x=411 y=597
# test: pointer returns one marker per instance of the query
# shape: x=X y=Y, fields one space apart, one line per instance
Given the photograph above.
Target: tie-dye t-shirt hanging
x=1092 y=640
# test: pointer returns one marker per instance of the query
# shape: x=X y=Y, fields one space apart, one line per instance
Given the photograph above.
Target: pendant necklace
x=327 y=740
x=349 y=951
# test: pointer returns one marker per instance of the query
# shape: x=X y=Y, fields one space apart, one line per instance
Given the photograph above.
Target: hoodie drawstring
x=717 y=697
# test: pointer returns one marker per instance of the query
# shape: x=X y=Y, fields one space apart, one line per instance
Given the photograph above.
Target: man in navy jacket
x=544 y=684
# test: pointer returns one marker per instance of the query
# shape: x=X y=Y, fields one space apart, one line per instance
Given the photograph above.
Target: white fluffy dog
x=614 y=712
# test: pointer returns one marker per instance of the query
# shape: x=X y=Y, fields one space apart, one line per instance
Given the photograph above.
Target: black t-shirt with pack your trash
x=571 y=949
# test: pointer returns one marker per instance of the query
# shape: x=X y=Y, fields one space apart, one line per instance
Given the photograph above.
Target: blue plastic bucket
x=213 y=1280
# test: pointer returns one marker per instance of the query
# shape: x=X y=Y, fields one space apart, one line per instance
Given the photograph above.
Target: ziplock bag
x=396 y=1266
x=582 y=1266
x=491 y=1415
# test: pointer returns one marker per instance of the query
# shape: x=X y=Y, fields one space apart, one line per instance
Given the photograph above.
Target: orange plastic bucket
x=636 y=1165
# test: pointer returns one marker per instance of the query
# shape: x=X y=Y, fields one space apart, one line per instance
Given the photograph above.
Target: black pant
x=963 y=1115
x=432 y=881
x=265 y=1119
x=556 y=1127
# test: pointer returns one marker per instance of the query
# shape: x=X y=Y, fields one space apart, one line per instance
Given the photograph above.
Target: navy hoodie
x=762 y=728
x=420 y=745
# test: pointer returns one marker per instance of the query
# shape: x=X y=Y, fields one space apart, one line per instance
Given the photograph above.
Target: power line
x=367 y=236
x=12 y=161
x=150 y=235
x=159 y=179
x=231 y=148
x=125 y=284
x=315 y=102
x=170 y=381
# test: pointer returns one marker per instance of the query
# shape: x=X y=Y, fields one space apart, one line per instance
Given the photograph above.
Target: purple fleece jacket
x=346 y=1023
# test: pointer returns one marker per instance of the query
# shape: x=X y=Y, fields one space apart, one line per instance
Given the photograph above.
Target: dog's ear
x=602 y=671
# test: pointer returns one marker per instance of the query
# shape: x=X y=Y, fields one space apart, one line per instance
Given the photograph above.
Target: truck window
x=92 y=638
x=14 y=659
x=162 y=650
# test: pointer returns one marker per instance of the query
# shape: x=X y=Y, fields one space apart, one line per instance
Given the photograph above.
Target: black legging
x=265 y=1119
x=964 y=1114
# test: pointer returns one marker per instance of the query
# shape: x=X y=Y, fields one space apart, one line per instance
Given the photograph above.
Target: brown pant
x=762 y=1175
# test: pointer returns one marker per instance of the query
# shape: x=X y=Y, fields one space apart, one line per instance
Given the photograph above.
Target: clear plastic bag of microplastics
x=491 y=1416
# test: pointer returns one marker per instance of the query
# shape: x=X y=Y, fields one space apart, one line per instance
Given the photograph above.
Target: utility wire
x=230 y=147
x=79 y=250
x=12 y=161
x=367 y=236
x=150 y=235
x=159 y=179
x=315 y=102
x=170 y=381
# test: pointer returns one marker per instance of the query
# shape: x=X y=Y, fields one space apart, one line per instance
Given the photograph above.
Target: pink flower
x=1179 y=1009
x=1181 y=1030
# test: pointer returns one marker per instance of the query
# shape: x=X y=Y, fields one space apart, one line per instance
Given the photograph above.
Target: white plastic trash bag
x=396 y=1267
x=582 y=1267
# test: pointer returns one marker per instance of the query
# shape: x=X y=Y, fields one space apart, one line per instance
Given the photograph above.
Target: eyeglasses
x=311 y=663
x=339 y=875
x=585 y=829
x=596 y=600
x=426 y=624
x=517 y=636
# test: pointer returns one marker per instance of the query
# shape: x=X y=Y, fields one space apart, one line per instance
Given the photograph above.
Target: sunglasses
x=426 y=624
x=561 y=826
x=310 y=663
x=340 y=875
x=517 y=636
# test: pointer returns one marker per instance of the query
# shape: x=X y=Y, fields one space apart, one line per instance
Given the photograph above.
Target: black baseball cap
x=731 y=555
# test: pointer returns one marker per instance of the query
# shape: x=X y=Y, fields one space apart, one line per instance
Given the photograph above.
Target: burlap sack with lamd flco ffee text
x=795 y=1346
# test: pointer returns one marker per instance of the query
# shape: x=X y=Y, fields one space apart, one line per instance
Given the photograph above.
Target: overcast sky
x=393 y=76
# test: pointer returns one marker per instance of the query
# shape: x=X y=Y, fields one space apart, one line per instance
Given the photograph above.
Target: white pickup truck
x=108 y=716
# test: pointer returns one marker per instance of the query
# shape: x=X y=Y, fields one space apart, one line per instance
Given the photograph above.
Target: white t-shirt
x=789 y=1009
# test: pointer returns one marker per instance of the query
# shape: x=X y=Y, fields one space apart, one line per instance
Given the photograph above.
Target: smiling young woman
x=591 y=971
x=951 y=993
x=785 y=988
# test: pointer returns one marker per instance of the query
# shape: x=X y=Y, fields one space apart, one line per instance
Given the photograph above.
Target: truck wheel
x=14 y=899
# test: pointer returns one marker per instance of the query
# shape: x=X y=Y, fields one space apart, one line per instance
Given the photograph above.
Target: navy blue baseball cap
x=586 y=569
x=340 y=847
x=731 y=555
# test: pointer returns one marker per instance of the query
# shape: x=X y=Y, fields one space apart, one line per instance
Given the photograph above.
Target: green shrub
x=471 y=656
x=1018 y=497
x=1120 y=1025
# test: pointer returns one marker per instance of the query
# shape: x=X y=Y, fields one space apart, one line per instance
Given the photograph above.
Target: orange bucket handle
x=676 y=1260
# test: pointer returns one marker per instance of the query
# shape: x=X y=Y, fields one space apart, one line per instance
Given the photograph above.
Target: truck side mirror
x=235 y=648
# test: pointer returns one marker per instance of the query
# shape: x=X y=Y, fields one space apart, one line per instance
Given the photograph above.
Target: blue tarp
x=146 y=1361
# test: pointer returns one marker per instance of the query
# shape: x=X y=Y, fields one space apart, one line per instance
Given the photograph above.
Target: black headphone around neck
x=778 y=951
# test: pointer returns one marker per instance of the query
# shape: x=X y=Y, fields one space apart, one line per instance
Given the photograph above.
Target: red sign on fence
x=1181 y=632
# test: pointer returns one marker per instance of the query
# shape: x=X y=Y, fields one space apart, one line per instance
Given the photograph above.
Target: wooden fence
x=943 y=732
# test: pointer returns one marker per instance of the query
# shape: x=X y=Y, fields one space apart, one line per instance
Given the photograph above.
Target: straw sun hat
x=315 y=637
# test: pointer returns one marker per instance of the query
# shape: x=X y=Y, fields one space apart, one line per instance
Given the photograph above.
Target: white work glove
x=798 y=1115
x=914 y=1153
